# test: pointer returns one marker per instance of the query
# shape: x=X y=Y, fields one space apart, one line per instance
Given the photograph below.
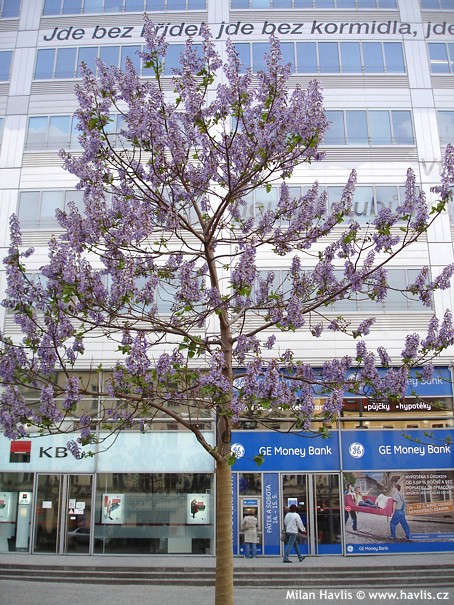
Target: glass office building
x=387 y=71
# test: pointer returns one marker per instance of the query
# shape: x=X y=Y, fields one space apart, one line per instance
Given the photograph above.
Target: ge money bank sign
x=395 y=450
x=285 y=451
x=348 y=450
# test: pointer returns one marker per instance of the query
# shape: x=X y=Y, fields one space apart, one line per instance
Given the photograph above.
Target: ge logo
x=238 y=450
x=350 y=549
x=356 y=450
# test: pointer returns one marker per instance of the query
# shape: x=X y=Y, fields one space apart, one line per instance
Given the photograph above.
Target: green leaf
x=259 y=459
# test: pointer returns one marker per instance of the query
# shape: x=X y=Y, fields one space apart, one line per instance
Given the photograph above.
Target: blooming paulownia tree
x=163 y=263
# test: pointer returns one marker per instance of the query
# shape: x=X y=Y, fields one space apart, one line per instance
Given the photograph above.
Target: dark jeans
x=354 y=517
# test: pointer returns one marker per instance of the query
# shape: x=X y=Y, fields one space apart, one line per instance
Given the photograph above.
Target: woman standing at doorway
x=250 y=535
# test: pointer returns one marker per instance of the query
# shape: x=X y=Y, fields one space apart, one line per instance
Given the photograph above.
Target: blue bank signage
x=285 y=451
x=359 y=450
x=396 y=450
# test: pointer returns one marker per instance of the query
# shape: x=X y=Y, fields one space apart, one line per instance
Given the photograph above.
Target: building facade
x=387 y=70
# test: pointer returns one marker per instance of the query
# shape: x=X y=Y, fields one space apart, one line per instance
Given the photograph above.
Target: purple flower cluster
x=164 y=254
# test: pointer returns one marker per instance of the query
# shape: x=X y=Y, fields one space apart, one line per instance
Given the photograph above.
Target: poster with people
x=197 y=508
x=398 y=511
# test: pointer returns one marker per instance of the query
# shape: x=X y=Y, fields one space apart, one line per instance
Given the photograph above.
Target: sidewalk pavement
x=209 y=561
x=13 y=592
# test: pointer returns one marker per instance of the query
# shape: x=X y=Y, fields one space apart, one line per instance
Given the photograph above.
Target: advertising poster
x=399 y=511
x=8 y=506
x=113 y=509
x=197 y=508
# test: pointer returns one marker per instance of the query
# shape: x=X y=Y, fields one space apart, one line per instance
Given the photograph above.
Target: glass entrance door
x=63 y=514
x=317 y=498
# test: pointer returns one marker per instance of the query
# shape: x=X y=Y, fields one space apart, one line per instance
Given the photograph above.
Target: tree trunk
x=224 y=544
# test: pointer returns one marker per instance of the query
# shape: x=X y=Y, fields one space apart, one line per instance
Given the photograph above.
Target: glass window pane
x=265 y=200
x=92 y=6
x=113 y=6
x=413 y=302
x=155 y=5
x=28 y=210
x=446 y=125
x=328 y=57
x=379 y=128
x=350 y=57
x=429 y=4
x=451 y=57
x=395 y=300
x=75 y=196
x=5 y=64
x=244 y=53
x=357 y=128
x=75 y=134
x=165 y=297
x=449 y=4
x=306 y=57
x=131 y=53
x=303 y=4
x=324 y=3
x=438 y=58
x=288 y=53
x=260 y=3
x=282 y=3
x=373 y=57
x=335 y=134
x=387 y=3
x=87 y=55
x=110 y=55
x=240 y=3
x=259 y=49
x=172 y=60
x=176 y=5
x=247 y=209
x=386 y=196
x=65 y=66
x=45 y=64
x=133 y=5
x=394 y=57
x=334 y=196
x=37 y=129
x=10 y=8
x=58 y=131
x=51 y=7
x=402 y=127
x=72 y=7
x=345 y=4
x=194 y=5
x=50 y=201
x=363 y=200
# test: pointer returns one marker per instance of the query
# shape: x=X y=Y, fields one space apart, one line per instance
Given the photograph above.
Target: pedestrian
x=399 y=514
x=293 y=525
x=350 y=492
x=250 y=523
